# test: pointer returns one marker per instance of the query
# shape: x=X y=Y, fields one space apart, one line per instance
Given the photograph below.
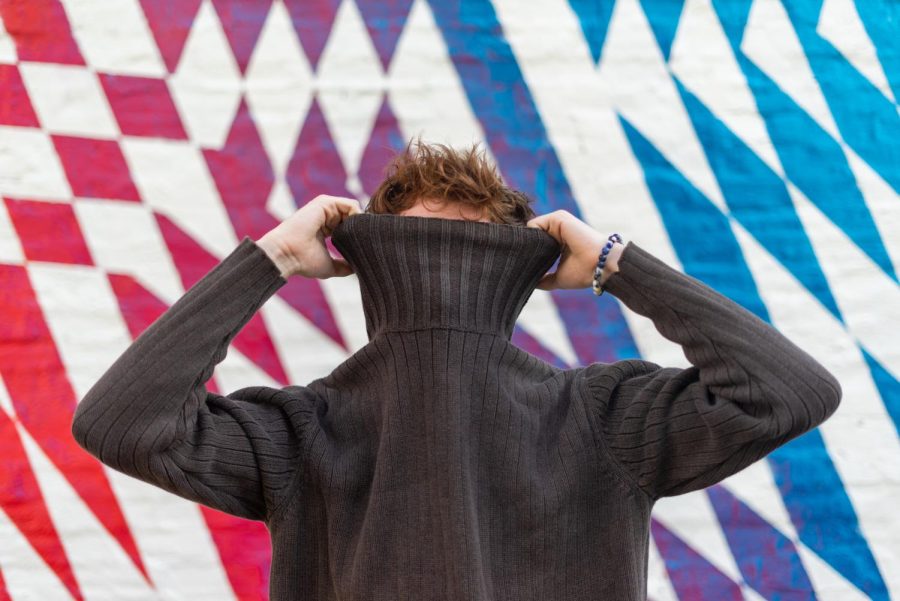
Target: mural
x=754 y=144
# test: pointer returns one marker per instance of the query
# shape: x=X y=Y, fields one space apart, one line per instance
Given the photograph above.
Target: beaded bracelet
x=601 y=261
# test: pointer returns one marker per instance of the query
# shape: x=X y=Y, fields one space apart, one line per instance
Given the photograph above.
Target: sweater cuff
x=247 y=271
x=253 y=262
x=634 y=265
x=647 y=284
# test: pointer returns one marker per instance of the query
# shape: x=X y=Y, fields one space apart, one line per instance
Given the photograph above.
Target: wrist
x=612 y=262
x=279 y=256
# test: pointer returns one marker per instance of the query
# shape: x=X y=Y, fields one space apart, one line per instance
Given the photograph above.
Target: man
x=440 y=461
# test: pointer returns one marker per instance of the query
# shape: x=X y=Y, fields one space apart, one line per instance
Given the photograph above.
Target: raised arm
x=151 y=416
x=748 y=391
x=669 y=430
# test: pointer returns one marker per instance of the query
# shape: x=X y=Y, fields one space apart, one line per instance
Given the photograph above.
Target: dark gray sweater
x=440 y=461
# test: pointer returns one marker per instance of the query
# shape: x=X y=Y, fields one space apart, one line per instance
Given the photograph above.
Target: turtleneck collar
x=421 y=272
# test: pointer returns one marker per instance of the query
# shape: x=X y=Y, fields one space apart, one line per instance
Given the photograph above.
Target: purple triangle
x=691 y=575
x=171 y=22
x=242 y=21
x=312 y=20
x=385 y=21
x=244 y=176
x=767 y=559
x=385 y=141
x=315 y=167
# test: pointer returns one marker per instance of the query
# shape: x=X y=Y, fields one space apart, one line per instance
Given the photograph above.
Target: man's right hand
x=297 y=244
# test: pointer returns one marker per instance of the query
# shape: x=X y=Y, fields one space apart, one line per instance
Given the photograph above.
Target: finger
x=348 y=206
x=548 y=282
x=341 y=267
x=541 y=222
x=336 y=211
x=548 y=223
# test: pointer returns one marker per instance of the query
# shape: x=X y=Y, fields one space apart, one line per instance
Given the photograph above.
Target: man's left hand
x=581 y=246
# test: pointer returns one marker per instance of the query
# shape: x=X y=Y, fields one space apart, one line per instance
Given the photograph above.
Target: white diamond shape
x=29 y=165
x=7 y=47
x=426 y=94
x=634 y=71
x=839 y=23
x=173 y=178
x=10 y=251
x=771 y=42
x=281 y=202
x=68 y=100
x=114 y=37
x=351 y=84
x=25 y=572
x=702 y=59
x=279 y=86
x=206 y=85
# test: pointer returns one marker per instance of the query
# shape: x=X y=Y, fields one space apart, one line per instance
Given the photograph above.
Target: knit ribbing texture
x=440 y=460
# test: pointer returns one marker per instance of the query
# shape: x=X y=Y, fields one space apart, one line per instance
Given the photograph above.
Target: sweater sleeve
x=749 y=389
x=150 y=415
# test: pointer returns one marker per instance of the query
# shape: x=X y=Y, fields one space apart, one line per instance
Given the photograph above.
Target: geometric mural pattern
x=754 y=144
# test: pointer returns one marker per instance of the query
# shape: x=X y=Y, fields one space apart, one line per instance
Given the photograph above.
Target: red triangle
x=242 y=21
x=246 y=552
x=170 y=21
x=21 y=499
x=45 y=402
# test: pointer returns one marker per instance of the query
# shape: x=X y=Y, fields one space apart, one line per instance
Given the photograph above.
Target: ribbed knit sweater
x=439 y=460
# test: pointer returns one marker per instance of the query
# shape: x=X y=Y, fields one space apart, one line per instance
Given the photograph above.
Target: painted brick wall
x=754 y=144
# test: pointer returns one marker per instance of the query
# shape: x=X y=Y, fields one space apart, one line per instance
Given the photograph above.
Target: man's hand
x=297 y=244
x=581 y=248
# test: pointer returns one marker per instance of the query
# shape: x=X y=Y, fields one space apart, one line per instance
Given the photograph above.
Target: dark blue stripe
x=594 y=18
x=733 y=17
x=816 y=164
x=868 y=121
x=700 y=233
x=758 y=199
x=691 y=574
x=767 y=559
x=822 y=513
x=888 y=388
x=663 y=16
x=718 y=261
x=881 y=18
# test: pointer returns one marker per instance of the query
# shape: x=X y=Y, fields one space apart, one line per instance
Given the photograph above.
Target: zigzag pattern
x=754 y=143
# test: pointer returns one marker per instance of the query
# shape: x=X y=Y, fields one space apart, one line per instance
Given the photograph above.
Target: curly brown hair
x=440 y=172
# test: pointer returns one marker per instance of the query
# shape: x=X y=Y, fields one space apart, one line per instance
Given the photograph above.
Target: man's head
x=435 y=180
